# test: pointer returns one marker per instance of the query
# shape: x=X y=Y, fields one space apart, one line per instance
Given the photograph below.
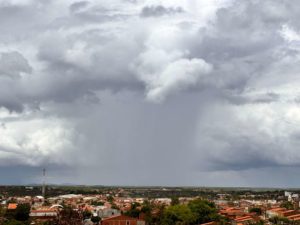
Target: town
x=95 y=205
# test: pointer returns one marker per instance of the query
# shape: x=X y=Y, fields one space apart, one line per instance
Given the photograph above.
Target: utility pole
x=44 y=184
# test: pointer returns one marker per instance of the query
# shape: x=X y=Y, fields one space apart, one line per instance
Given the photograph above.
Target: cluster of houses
x=293 y=215
x=110 y=208
x=50 y=209
x=240 y=213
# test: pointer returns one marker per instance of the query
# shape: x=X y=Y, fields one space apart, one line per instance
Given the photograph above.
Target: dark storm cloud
x=25 y=175
x=78 y=5
x=159 y=10
x=244 y=41
x=12 y=64
x=209 y=89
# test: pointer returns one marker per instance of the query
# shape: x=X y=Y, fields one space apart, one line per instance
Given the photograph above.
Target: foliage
x=197 y=211
x=279 y=220
x=134 y=210
x=70 y=216
x=178 y=214
x=260 y=222
x=10 y=214
x=110 y=199
x=97 y=203
x=86 y=214
x=256 y=210
x=287 y=205
x=15 y=222
x=2 y=211
x=22 y=212
x=95 y=219
x=114 y=206
x=204 y=211
x=157 y=217
x=174 y=201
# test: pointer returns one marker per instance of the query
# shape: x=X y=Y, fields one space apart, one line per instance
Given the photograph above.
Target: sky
x=150 y=92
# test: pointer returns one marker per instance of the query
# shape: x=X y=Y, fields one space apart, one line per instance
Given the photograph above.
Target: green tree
x=204 y=211
x=134 y=210
x=256 y=210
x=174 y=201
x=86 y=214
x=178 y=214
x=260 y=222
x=95 y=219
x=110 y=199
x=2 y=211
x=10 y=214
x=15 y=222
x=147 y=209
x=97 y=203
x=279 y=220
x=114 y=206
x=157 y=217
x=287 y=205
x=22 y=212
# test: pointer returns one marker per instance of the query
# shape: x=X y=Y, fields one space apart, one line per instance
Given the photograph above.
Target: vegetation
x=174 y=200
x=279 y=220
x=204 y=211
x=110 y=199
x=95 y=219
x=18 y=216
x=287 y=205
x=97 y=203
x=15 y=222
x=134 y=210
x=148 y=192
x=256 y=210
x=178 y=214
x=197 y=211
x=87 y=214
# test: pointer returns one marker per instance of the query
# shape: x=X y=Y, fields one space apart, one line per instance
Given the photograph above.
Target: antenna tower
x=44 y=184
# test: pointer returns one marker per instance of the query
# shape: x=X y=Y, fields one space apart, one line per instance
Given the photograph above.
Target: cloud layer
x=190 y=92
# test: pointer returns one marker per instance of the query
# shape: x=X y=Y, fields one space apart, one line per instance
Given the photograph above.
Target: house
x=245 y=220
x=122 y=220
x=107 y=212
x=12 y=206
x=43 y=214
x=274 y=212
x=233 y=212
x=292 y=215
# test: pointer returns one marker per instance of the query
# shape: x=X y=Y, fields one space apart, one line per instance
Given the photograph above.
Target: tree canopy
x=178 y=214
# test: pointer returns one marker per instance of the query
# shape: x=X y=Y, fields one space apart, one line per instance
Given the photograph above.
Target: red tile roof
x=12 y=206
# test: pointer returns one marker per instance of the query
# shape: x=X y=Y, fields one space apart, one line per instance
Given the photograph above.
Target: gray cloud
x=12 y=64
x=159 y=10
x=78 y=5
x=208 y=90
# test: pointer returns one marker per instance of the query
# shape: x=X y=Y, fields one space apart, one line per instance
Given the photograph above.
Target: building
x=107 y=212
x=245 y=220
x=122 y=220
x=41 y=215
x=233 y=212
x=275 y=212
x=12 y=206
